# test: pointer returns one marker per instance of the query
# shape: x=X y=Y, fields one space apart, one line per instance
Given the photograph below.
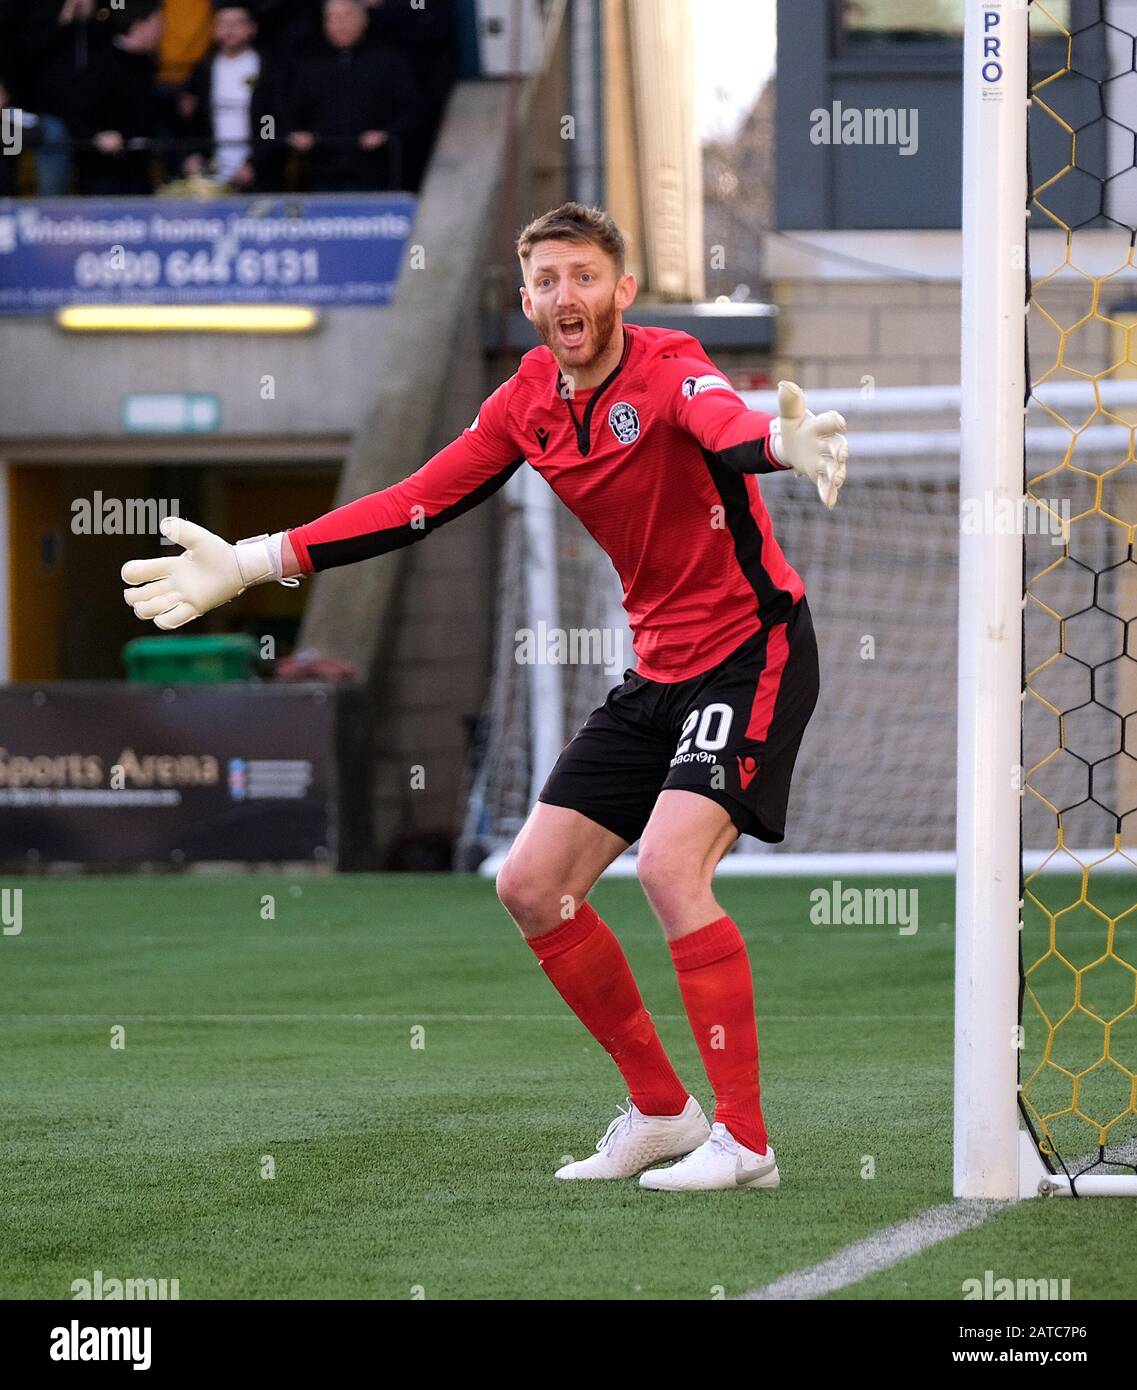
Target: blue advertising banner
x=325 y=250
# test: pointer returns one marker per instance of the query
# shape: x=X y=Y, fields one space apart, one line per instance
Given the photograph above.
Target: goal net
x=874 y=785
x=1078 y=1067
x=880 y=573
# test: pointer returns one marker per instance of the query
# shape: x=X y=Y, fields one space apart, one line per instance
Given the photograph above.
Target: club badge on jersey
x=624 y=422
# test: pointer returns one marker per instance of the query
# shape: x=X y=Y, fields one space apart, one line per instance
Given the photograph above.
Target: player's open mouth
x=571 y=332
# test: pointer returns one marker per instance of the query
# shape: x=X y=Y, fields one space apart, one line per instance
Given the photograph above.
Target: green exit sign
x=171 y=412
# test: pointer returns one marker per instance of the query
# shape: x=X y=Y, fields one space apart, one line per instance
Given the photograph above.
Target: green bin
x=197 y=659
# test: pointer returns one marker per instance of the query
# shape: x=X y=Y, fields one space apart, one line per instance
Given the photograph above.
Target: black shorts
x=731 y=733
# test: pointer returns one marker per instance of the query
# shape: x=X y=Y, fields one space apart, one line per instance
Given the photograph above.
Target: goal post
x=989 y=676
x=1046 y=969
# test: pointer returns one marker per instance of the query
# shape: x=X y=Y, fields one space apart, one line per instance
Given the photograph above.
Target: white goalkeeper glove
x=812 y=445
x=175 y=589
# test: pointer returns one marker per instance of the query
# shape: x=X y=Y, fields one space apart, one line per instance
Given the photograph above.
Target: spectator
x=187 y=28
x=287 y=31
x=116 y=108
x=229 y=105
x=354 y=107
x=425 y=36
x=50 y=43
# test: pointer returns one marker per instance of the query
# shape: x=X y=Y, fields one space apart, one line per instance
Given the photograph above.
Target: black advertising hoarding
x=107 y=773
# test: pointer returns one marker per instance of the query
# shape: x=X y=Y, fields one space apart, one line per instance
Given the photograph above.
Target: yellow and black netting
x=1078 y=1065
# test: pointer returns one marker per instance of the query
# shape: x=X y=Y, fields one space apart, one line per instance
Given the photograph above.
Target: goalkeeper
x=647 y=443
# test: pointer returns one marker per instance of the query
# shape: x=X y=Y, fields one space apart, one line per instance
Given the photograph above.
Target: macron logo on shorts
x=747 y=768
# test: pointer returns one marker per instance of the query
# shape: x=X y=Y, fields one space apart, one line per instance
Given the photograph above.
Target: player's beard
x=597 y=337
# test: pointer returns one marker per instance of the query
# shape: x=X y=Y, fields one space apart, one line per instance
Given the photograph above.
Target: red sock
x=718 y=990
x=591 y=973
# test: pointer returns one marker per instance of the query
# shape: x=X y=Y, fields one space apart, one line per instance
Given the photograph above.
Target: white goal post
x=989 y=681
x=993 y=1158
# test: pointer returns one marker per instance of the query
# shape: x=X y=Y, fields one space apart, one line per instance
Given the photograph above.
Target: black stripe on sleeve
x=328 y=554
x=773 y=603
x=749 y=457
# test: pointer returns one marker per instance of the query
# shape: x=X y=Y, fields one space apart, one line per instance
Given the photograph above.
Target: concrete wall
x=418 y=622
x=58 y=385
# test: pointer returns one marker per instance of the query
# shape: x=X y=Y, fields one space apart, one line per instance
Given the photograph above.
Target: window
x=930 y=21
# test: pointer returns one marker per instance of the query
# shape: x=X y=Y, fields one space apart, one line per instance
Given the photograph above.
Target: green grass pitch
x=403 y=1170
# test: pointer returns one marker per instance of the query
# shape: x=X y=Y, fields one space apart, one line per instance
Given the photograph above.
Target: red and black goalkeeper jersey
x=658 y=462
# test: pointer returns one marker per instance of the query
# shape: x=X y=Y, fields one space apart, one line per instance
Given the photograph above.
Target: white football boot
x=634 y=1140
x=722 y=1163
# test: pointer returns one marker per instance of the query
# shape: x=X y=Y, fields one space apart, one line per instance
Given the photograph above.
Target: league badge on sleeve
x=696 y=385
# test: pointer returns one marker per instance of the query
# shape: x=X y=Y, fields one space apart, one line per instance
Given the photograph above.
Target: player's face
x=573 y=296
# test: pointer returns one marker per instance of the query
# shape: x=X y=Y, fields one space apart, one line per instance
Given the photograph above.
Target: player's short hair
x=574 y=222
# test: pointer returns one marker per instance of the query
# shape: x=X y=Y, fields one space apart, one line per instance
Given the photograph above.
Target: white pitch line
x=899 y=1242
x=881 y=1250
x=436 y=1018
x=286 y=1018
